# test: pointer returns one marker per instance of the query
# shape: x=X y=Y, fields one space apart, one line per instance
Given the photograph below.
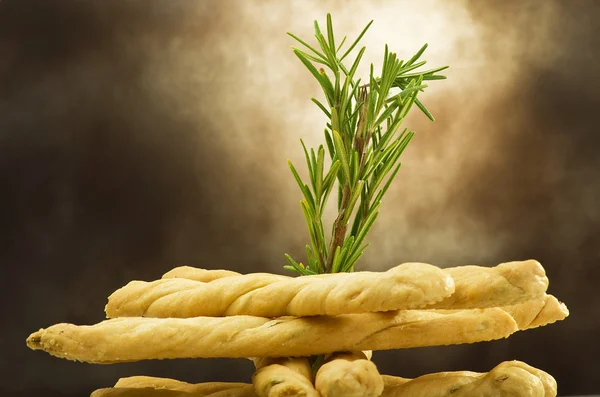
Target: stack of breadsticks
x=280 y=322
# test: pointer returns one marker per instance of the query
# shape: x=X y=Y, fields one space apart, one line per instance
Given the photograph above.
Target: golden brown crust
x=538 y=312
x=296 y=364
x=197 y=274
x=511 y=378
x=245 y=391
x=280 y=377
x=134 y=339
x=207 y=388
x=535 y=312
x=138 y=392
x=407 y=286
x=506 y=284
x=348 y=374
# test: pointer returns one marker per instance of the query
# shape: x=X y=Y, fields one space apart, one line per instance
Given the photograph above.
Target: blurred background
x=136 y=136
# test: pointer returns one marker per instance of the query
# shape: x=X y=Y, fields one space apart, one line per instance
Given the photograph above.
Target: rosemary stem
x=339 y=227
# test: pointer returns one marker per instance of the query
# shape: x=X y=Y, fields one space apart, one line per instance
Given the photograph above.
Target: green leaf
x=407 y=105
x=387 y=165
x=355 y=195
x=417 y=55
x=323 y=108
x=386 y=113
x=424 y=110
x=340 y=151
x=329 y=181
x=360 y=36
x=390 y=179
x=309 y=254
x=405 y=69
x=317 y=364
x=358 y=217
x=295 y=266
x=317 y=53
x=329 y=52
x=331 y=176
x=354 y=258
x=323 y=81
x=330 y=37
x=303 y=187
x=426 y=72
x=319 y=173
x=356 y=62
x=311 y=169
x=335 y=120
x=341 y=44
x=312 y=57
x=409 y=90
x=346 y=246
x=364 y=230
x=330 y=146
x=310 y=221
x=336 y=260
x=380 y=157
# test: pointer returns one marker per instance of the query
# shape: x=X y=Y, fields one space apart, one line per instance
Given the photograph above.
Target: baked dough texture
x=172 y=384
x=510 y=378
x=197 y=274
x=538 y=312
x=348 y=374
x=505 y=284
x=282 y=377
x=133 y=339
x=407 y=286
x=190 y=292
x=247 y=391
x=171 y=387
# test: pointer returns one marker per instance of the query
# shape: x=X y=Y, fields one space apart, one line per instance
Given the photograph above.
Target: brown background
x=139 y=135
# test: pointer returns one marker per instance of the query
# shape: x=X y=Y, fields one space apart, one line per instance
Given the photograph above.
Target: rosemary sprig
x=363 y=142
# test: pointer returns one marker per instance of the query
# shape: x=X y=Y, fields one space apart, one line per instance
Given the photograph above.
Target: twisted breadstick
x=511 y=378
x=406 y=286
x=349 y=375
x=163 y=389
x=137 y=382
x=538 y=312
x=281 y=377
x=506 y=284
x=535 y=312
x=203 y=275
x=143 y=392
x=132 y=339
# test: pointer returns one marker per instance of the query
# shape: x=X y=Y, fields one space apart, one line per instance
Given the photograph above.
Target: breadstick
x=150 y=386
x=246 y=391
x=194 y=273
x=403 y=287
x=535 y=312
x=538 y=312
x=280 y=377
x=178 y=297
x=172 y=384
x=506 y=284
x=511 y=378
x=349 y=375
x=133 y=339
x=141 y=392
